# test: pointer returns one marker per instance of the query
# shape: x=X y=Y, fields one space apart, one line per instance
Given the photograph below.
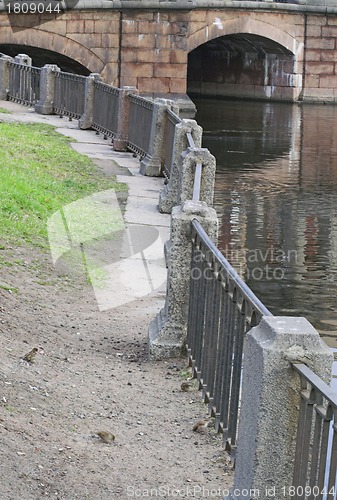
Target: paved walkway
x=147 y=229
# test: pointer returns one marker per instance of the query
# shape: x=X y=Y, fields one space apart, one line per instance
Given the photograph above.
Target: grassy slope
x=39 y=173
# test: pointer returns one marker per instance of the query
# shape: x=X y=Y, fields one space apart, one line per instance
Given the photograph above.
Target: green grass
x=5 y=111
x=39 y=174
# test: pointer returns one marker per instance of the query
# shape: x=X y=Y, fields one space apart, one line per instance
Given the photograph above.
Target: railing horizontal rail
x=222 y=308
x=316 y=442
x=105 y=119
x=69 y=94
x=24 y=83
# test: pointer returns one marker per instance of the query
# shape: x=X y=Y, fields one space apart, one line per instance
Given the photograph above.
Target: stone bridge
x=216 y=47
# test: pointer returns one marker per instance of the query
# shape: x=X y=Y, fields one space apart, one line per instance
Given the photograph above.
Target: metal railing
x=69 y=94
x=316 y=442
x=222 y=308
x=106 y=99
x=172 y=121
x=140 y=123
x=24 y=83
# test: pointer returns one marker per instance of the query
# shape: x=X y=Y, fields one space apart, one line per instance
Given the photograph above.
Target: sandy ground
x=92 y=374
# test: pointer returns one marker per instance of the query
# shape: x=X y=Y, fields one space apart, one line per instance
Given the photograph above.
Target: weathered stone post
x=45 y=104
x=270 y=399
x=23 y=59
x=151 y=165
x=121 y=139
x=168 y=331
x=4 y=76
x=87 y=118
x=169 y=195
x=188 y=160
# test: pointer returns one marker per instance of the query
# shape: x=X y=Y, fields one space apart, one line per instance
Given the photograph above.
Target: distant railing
x=69 y=94
x=222 y=308
x=24 y=83
x=140 y=122
x=316 y=442
x=105 y=114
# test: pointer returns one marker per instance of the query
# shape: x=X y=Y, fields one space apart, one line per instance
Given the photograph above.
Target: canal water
x=276 y=198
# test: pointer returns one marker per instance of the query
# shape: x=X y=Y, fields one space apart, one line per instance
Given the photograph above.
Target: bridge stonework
x=149 y=49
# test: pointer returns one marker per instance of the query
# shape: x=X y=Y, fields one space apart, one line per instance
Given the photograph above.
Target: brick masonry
x=151 y=51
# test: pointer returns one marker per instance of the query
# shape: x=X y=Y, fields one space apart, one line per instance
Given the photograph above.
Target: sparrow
x=30 y=356
x=106 y=437
x=200 y=426
x=185 y=386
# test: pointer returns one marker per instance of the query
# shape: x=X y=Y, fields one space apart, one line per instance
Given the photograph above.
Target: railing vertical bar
x=227 y=374
x=333 y=458
x=221 y=356
x=201 y=323
x=236 y=377
x=315 y=455
x=206 y=333
x=212 y=372
x=323 y=455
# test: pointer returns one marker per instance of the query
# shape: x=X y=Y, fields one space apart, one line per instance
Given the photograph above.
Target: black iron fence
x=24 y=83
x=140 y=124
x=315 y=467
x=105 y=114
x=222 y=308
x=69 y=94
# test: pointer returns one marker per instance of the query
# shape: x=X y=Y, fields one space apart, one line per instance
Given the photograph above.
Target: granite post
x=87 y=118
x=4 y=76
x=188 y=161
x=45 y=104
x=169 y=195
x=121 y=139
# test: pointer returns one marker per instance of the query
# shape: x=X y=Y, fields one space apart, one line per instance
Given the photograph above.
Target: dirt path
x=92 y=374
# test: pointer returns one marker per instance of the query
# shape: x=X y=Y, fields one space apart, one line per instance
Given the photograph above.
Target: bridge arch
x=54 y=43
x=244 y=57
x=245 y=24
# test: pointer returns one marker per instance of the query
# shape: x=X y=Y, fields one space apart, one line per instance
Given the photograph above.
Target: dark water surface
x=276 y=197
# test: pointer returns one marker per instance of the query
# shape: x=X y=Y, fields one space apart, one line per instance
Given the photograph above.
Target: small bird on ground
x=185 y=386
x=106 y=437
x=30 y=356
x=200 y=426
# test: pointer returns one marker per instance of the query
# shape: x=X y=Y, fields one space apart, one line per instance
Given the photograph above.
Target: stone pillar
x=121 y=140
x=270 y=400
x=151 y=165
x=188 y=161
x=4 y=76
x=169 y=196
x=168 y=331
x=23 y=59
x=45 y=104
x=87 y=118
